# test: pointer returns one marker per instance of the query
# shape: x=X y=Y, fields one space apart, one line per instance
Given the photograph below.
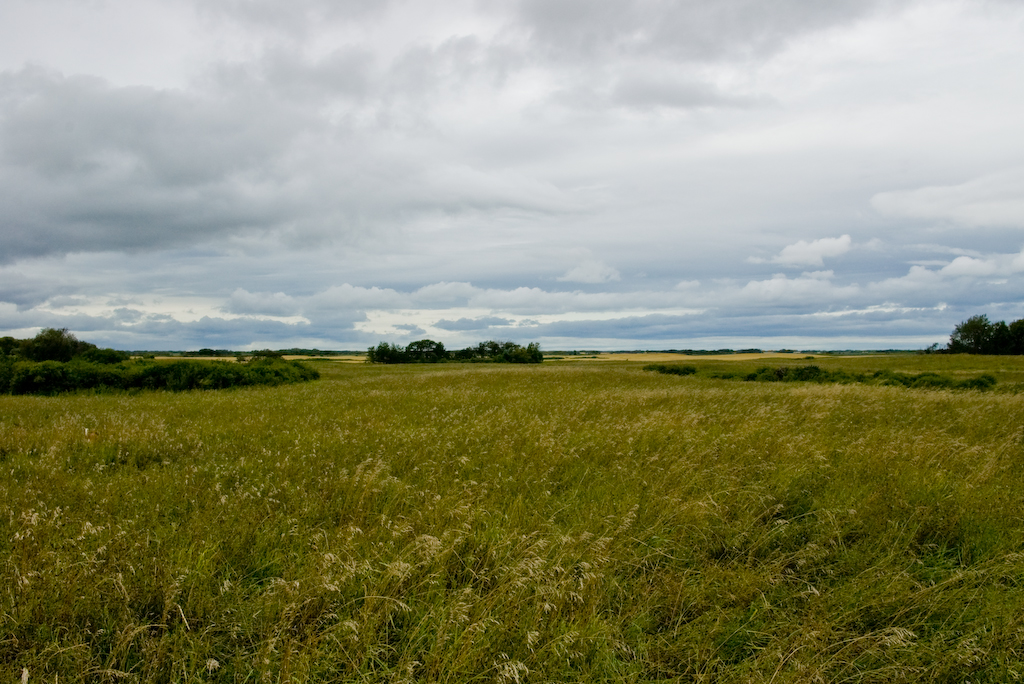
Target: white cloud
x=272 y=304
x=996 y=264
x=348 y=297
x=590 y=272
x=968 y=266
x=994 y=200
x=1017 y=264
x=803 y=253
x=444 y=294
x=810 y=287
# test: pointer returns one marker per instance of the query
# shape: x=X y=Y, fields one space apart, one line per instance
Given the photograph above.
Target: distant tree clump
x=52 y=344
x=386 y=353
x=978 y=335
x=426 y=351
x=55 y=361
x=57 y=344
x=429 y=351
x=206 y=351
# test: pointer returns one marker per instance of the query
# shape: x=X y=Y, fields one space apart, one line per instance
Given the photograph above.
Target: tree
x=386 y=353
x=1017 y=337
x=999 y=341
x=429 y=351
x=531 y=353
x=105 y=356
x=978 y=335
x=426 y=351
x=9 y=345
x=52 y=344
x=973 y=336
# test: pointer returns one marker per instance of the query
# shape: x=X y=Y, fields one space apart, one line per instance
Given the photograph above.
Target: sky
x=586 y=174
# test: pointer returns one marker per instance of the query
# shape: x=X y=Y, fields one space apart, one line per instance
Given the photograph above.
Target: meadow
x=568 y=521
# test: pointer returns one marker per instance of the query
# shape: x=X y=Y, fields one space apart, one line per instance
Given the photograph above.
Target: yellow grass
x=456 y=523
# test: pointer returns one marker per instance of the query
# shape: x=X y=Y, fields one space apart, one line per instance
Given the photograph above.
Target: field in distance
x=340 y=358
x=517 y=523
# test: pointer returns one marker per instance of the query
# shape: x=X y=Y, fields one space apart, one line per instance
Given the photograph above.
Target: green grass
x=586 y=522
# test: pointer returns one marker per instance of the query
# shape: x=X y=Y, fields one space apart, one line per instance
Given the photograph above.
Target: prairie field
x=565 y=522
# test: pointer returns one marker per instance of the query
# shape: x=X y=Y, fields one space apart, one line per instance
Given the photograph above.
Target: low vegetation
x=55 y=377
x=429 y=351
x=813 y=373
x=671 y=368
x=561 y=522
x=53 y=344
x=55 y=362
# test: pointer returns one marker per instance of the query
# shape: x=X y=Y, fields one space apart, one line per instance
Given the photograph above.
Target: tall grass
x=513 y=524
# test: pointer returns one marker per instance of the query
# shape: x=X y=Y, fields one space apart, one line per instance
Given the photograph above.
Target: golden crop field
x=565 y=522
x=340 y=358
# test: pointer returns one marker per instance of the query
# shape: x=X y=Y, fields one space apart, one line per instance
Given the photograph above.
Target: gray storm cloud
x=333 y=173
x=89 y=167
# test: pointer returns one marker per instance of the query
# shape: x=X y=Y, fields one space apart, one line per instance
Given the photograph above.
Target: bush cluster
x=57 y=344
x=675 y=369
x=55 y=377
x=55 y=361
x=931 y=380
x=429 y=351
x=812 y=373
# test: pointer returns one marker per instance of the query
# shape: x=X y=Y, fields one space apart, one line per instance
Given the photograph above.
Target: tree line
x=978 y=335
x=57 y=344
x=55 y=361
x=429 y=351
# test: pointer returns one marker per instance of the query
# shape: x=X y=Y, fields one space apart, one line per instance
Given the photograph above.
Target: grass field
x=583 y=522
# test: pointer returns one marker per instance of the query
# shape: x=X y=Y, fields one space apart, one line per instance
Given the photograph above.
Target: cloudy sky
x=591 y=174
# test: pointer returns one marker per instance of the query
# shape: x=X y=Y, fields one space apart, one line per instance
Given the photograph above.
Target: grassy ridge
x=562 y=523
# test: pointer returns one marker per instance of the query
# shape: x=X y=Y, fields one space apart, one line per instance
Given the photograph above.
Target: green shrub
x=6 y=373
x=52 y=344
x=429 y=351
x=108 y=356
x=982 y=382
x=812 y=373
x=671 y=369
x=54 y=377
